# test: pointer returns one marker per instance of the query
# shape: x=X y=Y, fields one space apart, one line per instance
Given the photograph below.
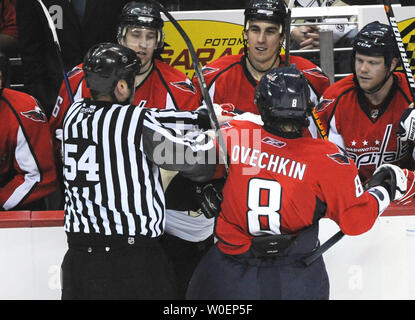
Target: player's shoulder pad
x=174 y=77
x=25 y=106
x=220 y=64
x=339 y=156
x=338 y=88
x=76 y=71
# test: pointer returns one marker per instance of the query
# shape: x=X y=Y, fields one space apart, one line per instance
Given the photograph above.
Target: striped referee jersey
x=112 y=183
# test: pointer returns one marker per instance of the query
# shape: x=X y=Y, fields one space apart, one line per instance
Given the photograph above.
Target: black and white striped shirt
x=112 y=185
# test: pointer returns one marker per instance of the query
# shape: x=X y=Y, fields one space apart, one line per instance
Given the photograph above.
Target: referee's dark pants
x=116 y=268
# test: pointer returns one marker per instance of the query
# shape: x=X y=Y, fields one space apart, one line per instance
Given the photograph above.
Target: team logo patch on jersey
x=316 y=72
x=185 y=86
x=209 y=70
x=274 y=142
x=339 y=158
x=323 y=104
x=226 y=125
x=36 y=115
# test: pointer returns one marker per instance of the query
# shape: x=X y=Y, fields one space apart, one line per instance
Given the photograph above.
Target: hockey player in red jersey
x=361 y=112
x=232 y=79
x=27 y=168
x=279 y=185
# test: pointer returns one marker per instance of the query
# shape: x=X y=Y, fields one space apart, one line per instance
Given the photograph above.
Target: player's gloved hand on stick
x=392 y=178
x=406 y=127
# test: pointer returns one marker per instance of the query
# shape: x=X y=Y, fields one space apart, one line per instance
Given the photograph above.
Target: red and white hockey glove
x=392 y=178
x=410 y=190
x=225 y=109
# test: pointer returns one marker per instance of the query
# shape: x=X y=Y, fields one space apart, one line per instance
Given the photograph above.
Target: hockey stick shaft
x=288 y=33
x=201 y=79
x=401 y=49
x=323 y=248
x=57 y=48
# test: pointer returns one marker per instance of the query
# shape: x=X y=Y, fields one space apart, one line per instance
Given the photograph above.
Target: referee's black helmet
x=107 y=63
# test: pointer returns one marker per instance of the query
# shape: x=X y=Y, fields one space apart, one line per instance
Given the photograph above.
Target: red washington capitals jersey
x=27 y=167
x=367 y=133
x=229 y=81
x=279 y=186
x=164 y=88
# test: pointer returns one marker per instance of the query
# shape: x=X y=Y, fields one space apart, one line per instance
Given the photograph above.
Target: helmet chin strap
x=378 y=87
x=259 y=70
x=150 y=65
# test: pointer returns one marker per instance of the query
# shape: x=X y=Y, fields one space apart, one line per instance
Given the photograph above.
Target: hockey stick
x=323 y=248
x=402 y=52
x=288 y=33
x=201 y=78
x=57 y=47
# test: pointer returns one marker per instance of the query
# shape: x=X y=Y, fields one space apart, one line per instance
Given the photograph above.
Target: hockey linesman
x=159 y=86
x=114 y=210
x=269 y=220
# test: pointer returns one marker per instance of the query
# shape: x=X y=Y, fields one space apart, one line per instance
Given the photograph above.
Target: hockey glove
x=224 y=109
x=210 y=200
x=406 y=127
x=392 y=178
x=410 y=190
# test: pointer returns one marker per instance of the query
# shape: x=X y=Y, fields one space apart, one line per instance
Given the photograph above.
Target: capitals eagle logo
x=185 y=86
x=36 y=115
x=316 y=72
x=339 y=158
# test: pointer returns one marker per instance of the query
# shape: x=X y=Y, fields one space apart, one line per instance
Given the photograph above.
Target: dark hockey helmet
x=283 y=95
x=141 y=14
x=271 y=10
x=376 y=39
x=107 y=63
